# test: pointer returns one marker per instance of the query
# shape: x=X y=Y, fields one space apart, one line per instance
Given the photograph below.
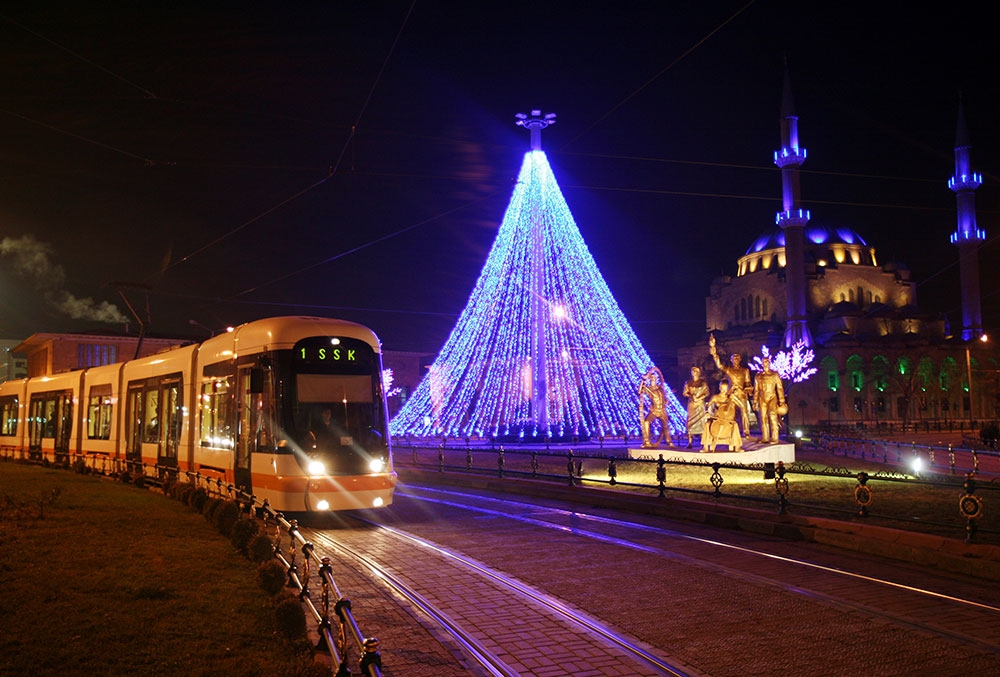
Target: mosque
x=880 y=360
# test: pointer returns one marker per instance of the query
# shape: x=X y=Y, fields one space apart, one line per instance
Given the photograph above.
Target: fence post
x=661 y=475
x=971 y=506
x=781 y=488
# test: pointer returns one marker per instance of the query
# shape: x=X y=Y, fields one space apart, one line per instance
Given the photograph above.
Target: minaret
x=967 y=237
x=793 y=220
x=540 y=306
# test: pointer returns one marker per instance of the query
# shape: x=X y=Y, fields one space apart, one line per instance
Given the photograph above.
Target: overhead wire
x=333 y=169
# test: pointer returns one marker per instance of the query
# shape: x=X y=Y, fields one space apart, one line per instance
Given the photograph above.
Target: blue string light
x=482 y=384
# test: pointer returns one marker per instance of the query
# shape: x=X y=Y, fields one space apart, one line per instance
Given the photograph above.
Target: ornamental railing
x=944 y=496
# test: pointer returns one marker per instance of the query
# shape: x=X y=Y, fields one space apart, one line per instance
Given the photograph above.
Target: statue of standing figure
x=740 y=385
x=652 y=408
x=769 y=396
x=697 y=392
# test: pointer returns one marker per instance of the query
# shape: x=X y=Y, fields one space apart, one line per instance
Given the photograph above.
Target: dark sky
x=200 y=159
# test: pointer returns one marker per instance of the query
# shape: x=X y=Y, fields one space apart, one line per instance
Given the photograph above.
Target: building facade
x=881 y=360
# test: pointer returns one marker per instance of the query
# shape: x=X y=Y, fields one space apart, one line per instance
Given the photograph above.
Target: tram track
x=816 y=570
x=545 y=620
x=703 y=601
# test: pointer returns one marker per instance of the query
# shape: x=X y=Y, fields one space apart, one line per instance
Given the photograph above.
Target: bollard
x=612 y=471
x=468 y=458
x=534 y=464
x=441 y=457
x=661 y=475
x=500 y=463
x=569 y=466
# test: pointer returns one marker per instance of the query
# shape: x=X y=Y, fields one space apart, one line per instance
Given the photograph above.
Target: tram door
x=246 y=441
x=50 y=416
x=153 y=420
x=135 y=406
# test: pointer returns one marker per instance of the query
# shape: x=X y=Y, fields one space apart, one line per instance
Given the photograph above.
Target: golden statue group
x=717 y=418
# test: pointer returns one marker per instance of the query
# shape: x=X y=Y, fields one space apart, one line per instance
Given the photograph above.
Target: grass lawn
x=104 y=578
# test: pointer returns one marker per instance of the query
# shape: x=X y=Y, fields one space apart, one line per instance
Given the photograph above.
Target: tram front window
x=338 y=416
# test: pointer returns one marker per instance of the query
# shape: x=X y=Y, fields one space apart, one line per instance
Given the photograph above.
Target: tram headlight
x=316 y=468
x=376 y=465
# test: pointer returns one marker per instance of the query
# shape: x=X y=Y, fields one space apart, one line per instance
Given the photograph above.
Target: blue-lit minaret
x=792 y=219
x=967 y=237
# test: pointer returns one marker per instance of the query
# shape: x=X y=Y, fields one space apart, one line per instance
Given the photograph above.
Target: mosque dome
x=825 y=246
x=815 y=234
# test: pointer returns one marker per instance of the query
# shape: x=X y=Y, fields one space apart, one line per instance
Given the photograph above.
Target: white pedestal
x=753 y=452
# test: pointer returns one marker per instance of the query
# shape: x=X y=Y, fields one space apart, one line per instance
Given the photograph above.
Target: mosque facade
x=880 y=360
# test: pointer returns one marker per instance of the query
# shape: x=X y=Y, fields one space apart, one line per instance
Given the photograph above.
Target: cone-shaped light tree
x=542 y=348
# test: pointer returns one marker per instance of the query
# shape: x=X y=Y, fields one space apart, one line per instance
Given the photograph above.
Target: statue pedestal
x=753 y=452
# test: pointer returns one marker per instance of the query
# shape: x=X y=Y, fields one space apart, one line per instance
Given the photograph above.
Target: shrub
x=290 y=616
x=243 y=530
x=260 y=548
x=210 y=506
x=183 y=492
x=271 y=577
x=225 y=517
x=197 y=498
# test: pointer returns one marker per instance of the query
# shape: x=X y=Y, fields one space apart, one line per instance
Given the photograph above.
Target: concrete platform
x=752 y=453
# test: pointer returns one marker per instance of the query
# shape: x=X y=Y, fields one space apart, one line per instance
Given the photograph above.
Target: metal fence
x=884 y=484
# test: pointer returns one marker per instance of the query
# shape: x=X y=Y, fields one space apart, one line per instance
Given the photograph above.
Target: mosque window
x=756 y=306
x=869 y=298
x=944 y=381
x=861 y=294
x=763 y=306
x=855 y=367
x=743 y=309
x=880 y=405
x=833 y=404
x=850 y=296
x=736 y=313
x=833 y=380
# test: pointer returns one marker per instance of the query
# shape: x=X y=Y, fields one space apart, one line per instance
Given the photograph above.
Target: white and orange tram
x=291 y=410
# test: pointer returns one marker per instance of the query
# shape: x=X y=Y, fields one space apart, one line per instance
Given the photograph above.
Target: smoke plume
x=31 y=259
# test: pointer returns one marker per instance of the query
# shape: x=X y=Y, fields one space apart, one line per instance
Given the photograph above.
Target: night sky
x=218 y=163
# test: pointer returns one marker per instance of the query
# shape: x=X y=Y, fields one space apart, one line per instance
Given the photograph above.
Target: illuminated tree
x=791 y=365
x=541 y=348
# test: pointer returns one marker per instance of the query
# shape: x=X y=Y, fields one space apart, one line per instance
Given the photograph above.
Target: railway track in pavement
x=540 y=588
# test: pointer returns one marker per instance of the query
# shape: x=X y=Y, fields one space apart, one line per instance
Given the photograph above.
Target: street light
x=968 y=373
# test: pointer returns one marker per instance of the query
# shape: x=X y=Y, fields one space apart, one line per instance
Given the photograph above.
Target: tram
x=291 y=410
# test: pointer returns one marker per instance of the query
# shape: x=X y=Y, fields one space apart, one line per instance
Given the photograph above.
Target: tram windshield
x=338 y=414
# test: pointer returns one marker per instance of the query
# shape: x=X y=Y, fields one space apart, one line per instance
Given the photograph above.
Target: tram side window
x=218 y=414
x=99 y=412
x=8 y=415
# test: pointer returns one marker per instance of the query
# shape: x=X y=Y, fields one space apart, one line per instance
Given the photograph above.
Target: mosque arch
x=856 y=372
x=828 y=366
